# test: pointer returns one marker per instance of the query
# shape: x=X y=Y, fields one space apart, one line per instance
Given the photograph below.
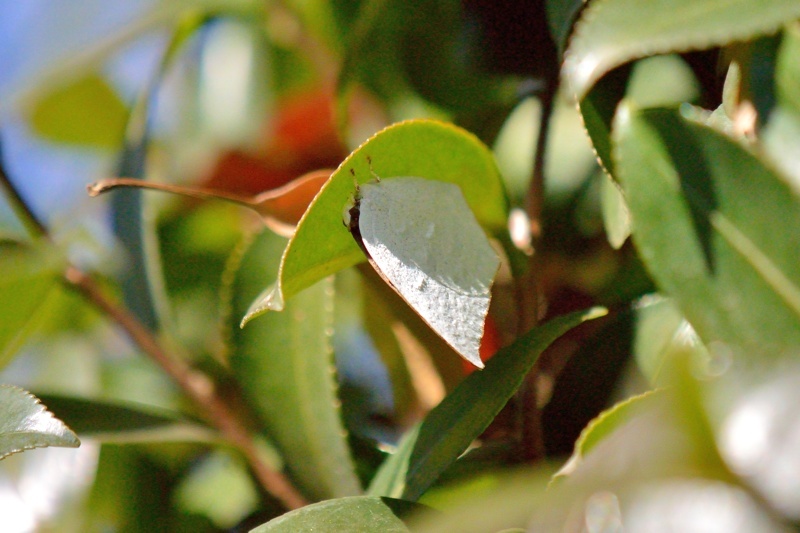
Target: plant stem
x=23 y=211
x=197 y=386
x=530 y=417
x=534 y=201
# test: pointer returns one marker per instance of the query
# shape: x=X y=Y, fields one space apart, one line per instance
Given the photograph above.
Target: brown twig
x=195 y=384
x=532 y=446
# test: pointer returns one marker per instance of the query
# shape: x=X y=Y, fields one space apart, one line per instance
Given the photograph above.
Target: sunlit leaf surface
x=25 y=423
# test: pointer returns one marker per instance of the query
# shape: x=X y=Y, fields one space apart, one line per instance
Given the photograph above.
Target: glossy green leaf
x=86 y=112
x=28 y=276
x=116 y=422
x=356 y=513
x=613 y=32
x=284 y=363
x=656 y=81
x=715 y=227
x=460 y=418
x=603 y=425
x=25 y=424
x=425 y=148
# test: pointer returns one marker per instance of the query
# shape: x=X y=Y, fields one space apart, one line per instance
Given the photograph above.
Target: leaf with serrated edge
x=25 y=424
x=601 y=426
x=611 y=33
x=697 y=199
x=107 y=421
x=284 y=364
x=426 y=148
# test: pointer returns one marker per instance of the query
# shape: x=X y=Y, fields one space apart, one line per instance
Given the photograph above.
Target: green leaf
x=377 y=322
x=390 y=479
x=787 y=73
x=284 y=363
x=142 y=282
x=504 y=501
x=28 y=276
x=560 y=17
x=25 y=424
x=425 y=148
x=655 y=81
x=616 y=217
x=780 y=142
x=783 y=128
x=613 y=32
x=356 y=513
x=85 y=112
x=716 y=228
x=597 y=110
x=463 y=415
x=116 y=422
x=661 y=331
x=604 y=424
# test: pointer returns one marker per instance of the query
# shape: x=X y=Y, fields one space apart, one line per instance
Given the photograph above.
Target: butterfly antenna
x=371 y=171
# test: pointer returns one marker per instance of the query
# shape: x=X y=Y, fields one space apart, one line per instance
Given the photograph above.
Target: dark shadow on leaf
x=696 y=180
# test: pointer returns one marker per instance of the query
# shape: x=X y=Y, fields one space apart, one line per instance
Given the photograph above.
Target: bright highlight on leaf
x=422 y=238
x=26 y=424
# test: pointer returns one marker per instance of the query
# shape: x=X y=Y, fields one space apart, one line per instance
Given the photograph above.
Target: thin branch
x=196 y=385
x=532 y=446
x=535 y=197
x=19 y=205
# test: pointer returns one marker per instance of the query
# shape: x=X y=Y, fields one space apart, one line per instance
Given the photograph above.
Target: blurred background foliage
x=676 y=411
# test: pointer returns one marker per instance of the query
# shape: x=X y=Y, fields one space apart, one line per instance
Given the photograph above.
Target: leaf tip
x=270 y=299
x=595 y=312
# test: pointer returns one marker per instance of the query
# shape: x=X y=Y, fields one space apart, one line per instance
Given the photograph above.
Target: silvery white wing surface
x=423 y=239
